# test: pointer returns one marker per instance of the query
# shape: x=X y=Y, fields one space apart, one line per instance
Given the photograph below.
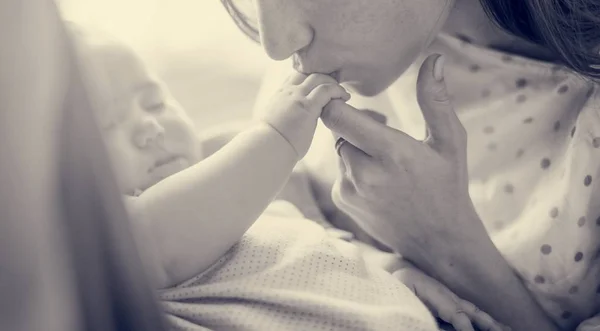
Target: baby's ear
x=379 y=117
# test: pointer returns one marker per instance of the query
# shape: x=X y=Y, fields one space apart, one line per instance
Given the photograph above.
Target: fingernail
x=438 y=68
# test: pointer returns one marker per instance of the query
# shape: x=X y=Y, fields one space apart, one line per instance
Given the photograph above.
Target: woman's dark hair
x=568 y=28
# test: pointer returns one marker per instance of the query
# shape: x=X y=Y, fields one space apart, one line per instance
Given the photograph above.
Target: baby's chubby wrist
x=297 y=128
x=278 y=142
x=285 y=136
x=295 y=109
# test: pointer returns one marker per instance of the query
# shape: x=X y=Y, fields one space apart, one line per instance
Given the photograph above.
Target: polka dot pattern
x=556 y=126
x=546 y=249
x=539 y=279
x=545 y=163
x=563 y=89
x=521 y=83
x=288 y=274
x=520 y=152
x=534 y=140
x=474 y=68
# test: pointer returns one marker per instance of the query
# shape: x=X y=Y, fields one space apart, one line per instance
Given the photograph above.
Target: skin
x=341 y=36
x=365 y=46
x=368 y=47
x=143 y=125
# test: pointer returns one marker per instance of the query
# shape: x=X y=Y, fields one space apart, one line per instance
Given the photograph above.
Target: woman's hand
x=410 y=195
x=444 y=304
x=413 y=197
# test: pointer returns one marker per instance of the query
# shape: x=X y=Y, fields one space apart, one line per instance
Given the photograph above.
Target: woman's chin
x=364 y=89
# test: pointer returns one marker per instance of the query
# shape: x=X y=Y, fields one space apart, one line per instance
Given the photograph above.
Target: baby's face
x=147 y=133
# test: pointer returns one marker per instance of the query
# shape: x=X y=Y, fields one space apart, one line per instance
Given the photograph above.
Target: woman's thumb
x=443 y=125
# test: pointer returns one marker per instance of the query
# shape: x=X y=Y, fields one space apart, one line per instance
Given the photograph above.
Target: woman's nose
x=281 y=31
x=148 y=133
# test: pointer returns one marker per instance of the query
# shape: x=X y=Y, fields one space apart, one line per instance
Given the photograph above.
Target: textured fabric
x=534 y=154
x=290 y=274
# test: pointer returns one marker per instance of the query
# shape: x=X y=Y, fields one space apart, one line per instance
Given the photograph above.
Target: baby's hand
x=444 y=304
x=294 y=110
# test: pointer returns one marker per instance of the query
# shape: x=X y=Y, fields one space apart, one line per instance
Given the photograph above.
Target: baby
x=224 y=260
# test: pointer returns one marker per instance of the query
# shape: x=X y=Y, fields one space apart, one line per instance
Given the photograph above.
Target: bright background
x=210 y=66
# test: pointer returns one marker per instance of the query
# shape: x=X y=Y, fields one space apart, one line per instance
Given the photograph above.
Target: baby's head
x=147 y=133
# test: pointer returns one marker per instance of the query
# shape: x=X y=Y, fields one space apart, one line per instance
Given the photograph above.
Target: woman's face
x=366 y=44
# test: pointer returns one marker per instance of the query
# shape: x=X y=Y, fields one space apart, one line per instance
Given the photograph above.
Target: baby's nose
x=148 y=133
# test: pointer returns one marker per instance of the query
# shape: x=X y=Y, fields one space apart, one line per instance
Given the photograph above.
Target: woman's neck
x=469 y=21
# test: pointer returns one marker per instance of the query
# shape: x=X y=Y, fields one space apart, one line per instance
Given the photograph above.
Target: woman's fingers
x=481 y=319
x=443 y=303
x=446 y=305
x=444 y=127
x=360 y=129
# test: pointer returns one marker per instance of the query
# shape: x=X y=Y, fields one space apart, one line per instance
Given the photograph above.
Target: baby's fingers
x=314 y=80
x=322 y=94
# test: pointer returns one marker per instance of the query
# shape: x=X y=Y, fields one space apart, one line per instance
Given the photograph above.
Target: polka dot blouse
x=290 y=274
x=534 y=157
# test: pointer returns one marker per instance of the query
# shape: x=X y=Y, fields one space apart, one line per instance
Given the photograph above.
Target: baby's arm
x=297 y=190
x=195 y=216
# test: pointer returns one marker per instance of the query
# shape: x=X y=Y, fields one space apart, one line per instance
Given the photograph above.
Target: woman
x=508 y=221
